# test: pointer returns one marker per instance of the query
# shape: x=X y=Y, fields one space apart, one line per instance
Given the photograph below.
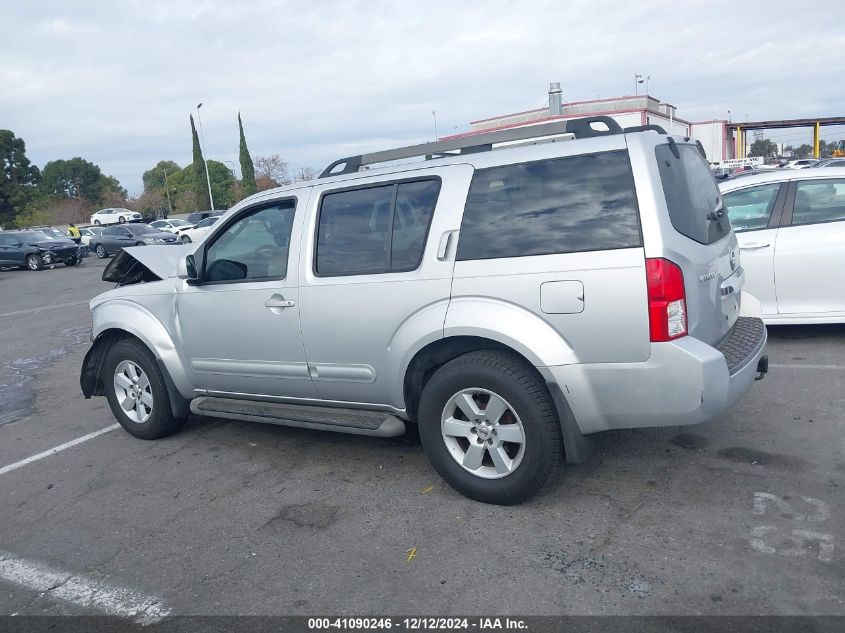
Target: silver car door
x=240 y=327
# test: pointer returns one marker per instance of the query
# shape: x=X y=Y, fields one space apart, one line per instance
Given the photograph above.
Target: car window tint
x=112 y=230
x=255 y=247
x=415 y=202
x=751 y=208
x=819 y=201
x=692 y=197
x=562 y=205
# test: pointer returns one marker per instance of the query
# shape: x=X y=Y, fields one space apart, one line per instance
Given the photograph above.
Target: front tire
x=101 y=251
x=97 y=223
x=185 y=239
x=489 y=427
x=72 y=262
x=136 y=391
x=121 y=220
x=34 y=262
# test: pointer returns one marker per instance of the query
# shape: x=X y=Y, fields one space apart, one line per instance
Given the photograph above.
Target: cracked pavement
x=239 y=518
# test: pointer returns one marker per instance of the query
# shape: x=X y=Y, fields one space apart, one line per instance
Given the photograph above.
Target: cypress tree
x=200 y=183
x=247 y=168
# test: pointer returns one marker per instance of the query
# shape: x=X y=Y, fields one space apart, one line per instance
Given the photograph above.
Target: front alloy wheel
x=185 y=239
x=133 y=392
x=101 y=251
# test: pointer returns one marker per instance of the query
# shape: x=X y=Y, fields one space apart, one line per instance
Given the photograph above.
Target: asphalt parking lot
x=743 y=515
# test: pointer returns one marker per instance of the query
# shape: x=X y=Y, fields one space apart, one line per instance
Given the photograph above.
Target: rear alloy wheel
x=185 y=239
x=101 y=251
x=121 y=220
x=136 y=391
x=489 y=427
x=34 y=262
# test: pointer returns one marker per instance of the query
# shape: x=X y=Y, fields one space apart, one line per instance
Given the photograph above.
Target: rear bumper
x=683 y=382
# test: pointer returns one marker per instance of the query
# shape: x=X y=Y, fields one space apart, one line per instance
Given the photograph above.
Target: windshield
x=36 y=236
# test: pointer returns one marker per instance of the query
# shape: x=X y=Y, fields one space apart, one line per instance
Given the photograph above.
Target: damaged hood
x=138 y=264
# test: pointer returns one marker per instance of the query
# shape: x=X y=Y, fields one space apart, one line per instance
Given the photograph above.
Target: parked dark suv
x=35 y=249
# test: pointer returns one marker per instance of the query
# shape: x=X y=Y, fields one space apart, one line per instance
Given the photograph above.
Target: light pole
x=167 y=189
x=638 y=79
x=235 y=178
x=434 y=114
x=204 y=158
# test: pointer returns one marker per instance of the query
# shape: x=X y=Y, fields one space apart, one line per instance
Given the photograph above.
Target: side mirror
x=186 y=268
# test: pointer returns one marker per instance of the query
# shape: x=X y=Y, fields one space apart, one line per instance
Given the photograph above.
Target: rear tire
x=185 y=239
x=97 y=223
x=121 y=220
x=72 y=262
x=34 y=262
x=509 y=400
x=101 y=251
x=136 y=391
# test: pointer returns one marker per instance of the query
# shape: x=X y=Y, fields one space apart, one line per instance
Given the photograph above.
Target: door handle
x=753 y=247
x=279 y=303
x=446 y=241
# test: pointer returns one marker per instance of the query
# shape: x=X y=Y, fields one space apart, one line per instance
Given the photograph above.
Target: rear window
x=695 y=206
x=562 y=205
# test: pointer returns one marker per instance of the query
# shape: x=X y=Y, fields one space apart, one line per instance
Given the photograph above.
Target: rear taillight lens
x=667 y=305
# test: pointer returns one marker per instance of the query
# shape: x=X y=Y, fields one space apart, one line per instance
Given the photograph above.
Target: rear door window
x=695 y=206
x=561 y=205
x=751 y=208
x=819 y=201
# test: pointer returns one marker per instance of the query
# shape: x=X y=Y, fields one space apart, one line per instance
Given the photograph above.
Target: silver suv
x=510 y=293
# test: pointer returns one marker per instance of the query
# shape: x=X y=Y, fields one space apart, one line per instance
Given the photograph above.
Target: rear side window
x=562 y=205
x=819 y=201
x=375 y=229
x=695 y=206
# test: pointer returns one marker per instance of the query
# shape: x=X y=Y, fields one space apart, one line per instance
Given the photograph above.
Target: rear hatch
x=707 y=253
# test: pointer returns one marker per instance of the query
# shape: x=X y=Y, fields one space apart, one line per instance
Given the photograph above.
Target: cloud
x=115 y=82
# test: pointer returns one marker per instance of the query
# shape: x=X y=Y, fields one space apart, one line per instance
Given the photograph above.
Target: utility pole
x=434 y=114
x=205 y=158
x=167 y=189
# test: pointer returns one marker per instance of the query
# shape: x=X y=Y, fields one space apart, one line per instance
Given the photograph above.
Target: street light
x=638 y=79
x=205 y=159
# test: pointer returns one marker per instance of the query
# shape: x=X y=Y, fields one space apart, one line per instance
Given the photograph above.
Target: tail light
x=667 y=305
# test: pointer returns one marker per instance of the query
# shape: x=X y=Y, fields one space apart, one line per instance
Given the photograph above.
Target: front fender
x=129 y=316
x=511 y=325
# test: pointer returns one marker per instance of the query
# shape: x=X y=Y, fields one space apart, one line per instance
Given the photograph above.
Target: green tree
x=763 y=147
x=18 y=177
x=79 y=178
x=247 y=168
x=183 y=192
x=155 y=178
x=199 y=181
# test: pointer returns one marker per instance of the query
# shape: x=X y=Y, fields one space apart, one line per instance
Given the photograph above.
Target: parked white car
x=196 y=233
x=171 y=226
x=802 y=163
x=791 y=231
x=87 y=232
x=114 y=216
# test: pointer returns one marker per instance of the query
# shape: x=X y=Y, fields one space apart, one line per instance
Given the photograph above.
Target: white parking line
x=43 y=308
x=57 y=449
x=80 y=590
x=799 y=366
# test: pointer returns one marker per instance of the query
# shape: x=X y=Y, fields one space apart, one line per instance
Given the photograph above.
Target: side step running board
x=324 y=418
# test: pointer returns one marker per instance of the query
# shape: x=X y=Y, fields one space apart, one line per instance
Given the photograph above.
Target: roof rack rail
x=645 y=128
x=579 y=128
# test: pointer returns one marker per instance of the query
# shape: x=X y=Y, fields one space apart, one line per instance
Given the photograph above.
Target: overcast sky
x=114 y=82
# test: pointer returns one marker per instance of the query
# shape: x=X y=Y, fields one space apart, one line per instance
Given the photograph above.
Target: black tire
x=101 y=251
x=161 y=422
x=34 y=262
x=519 y=384
x=139 y=244
x=121 y=220
x=97 y=223
x=185 y=239
x=72 y=262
